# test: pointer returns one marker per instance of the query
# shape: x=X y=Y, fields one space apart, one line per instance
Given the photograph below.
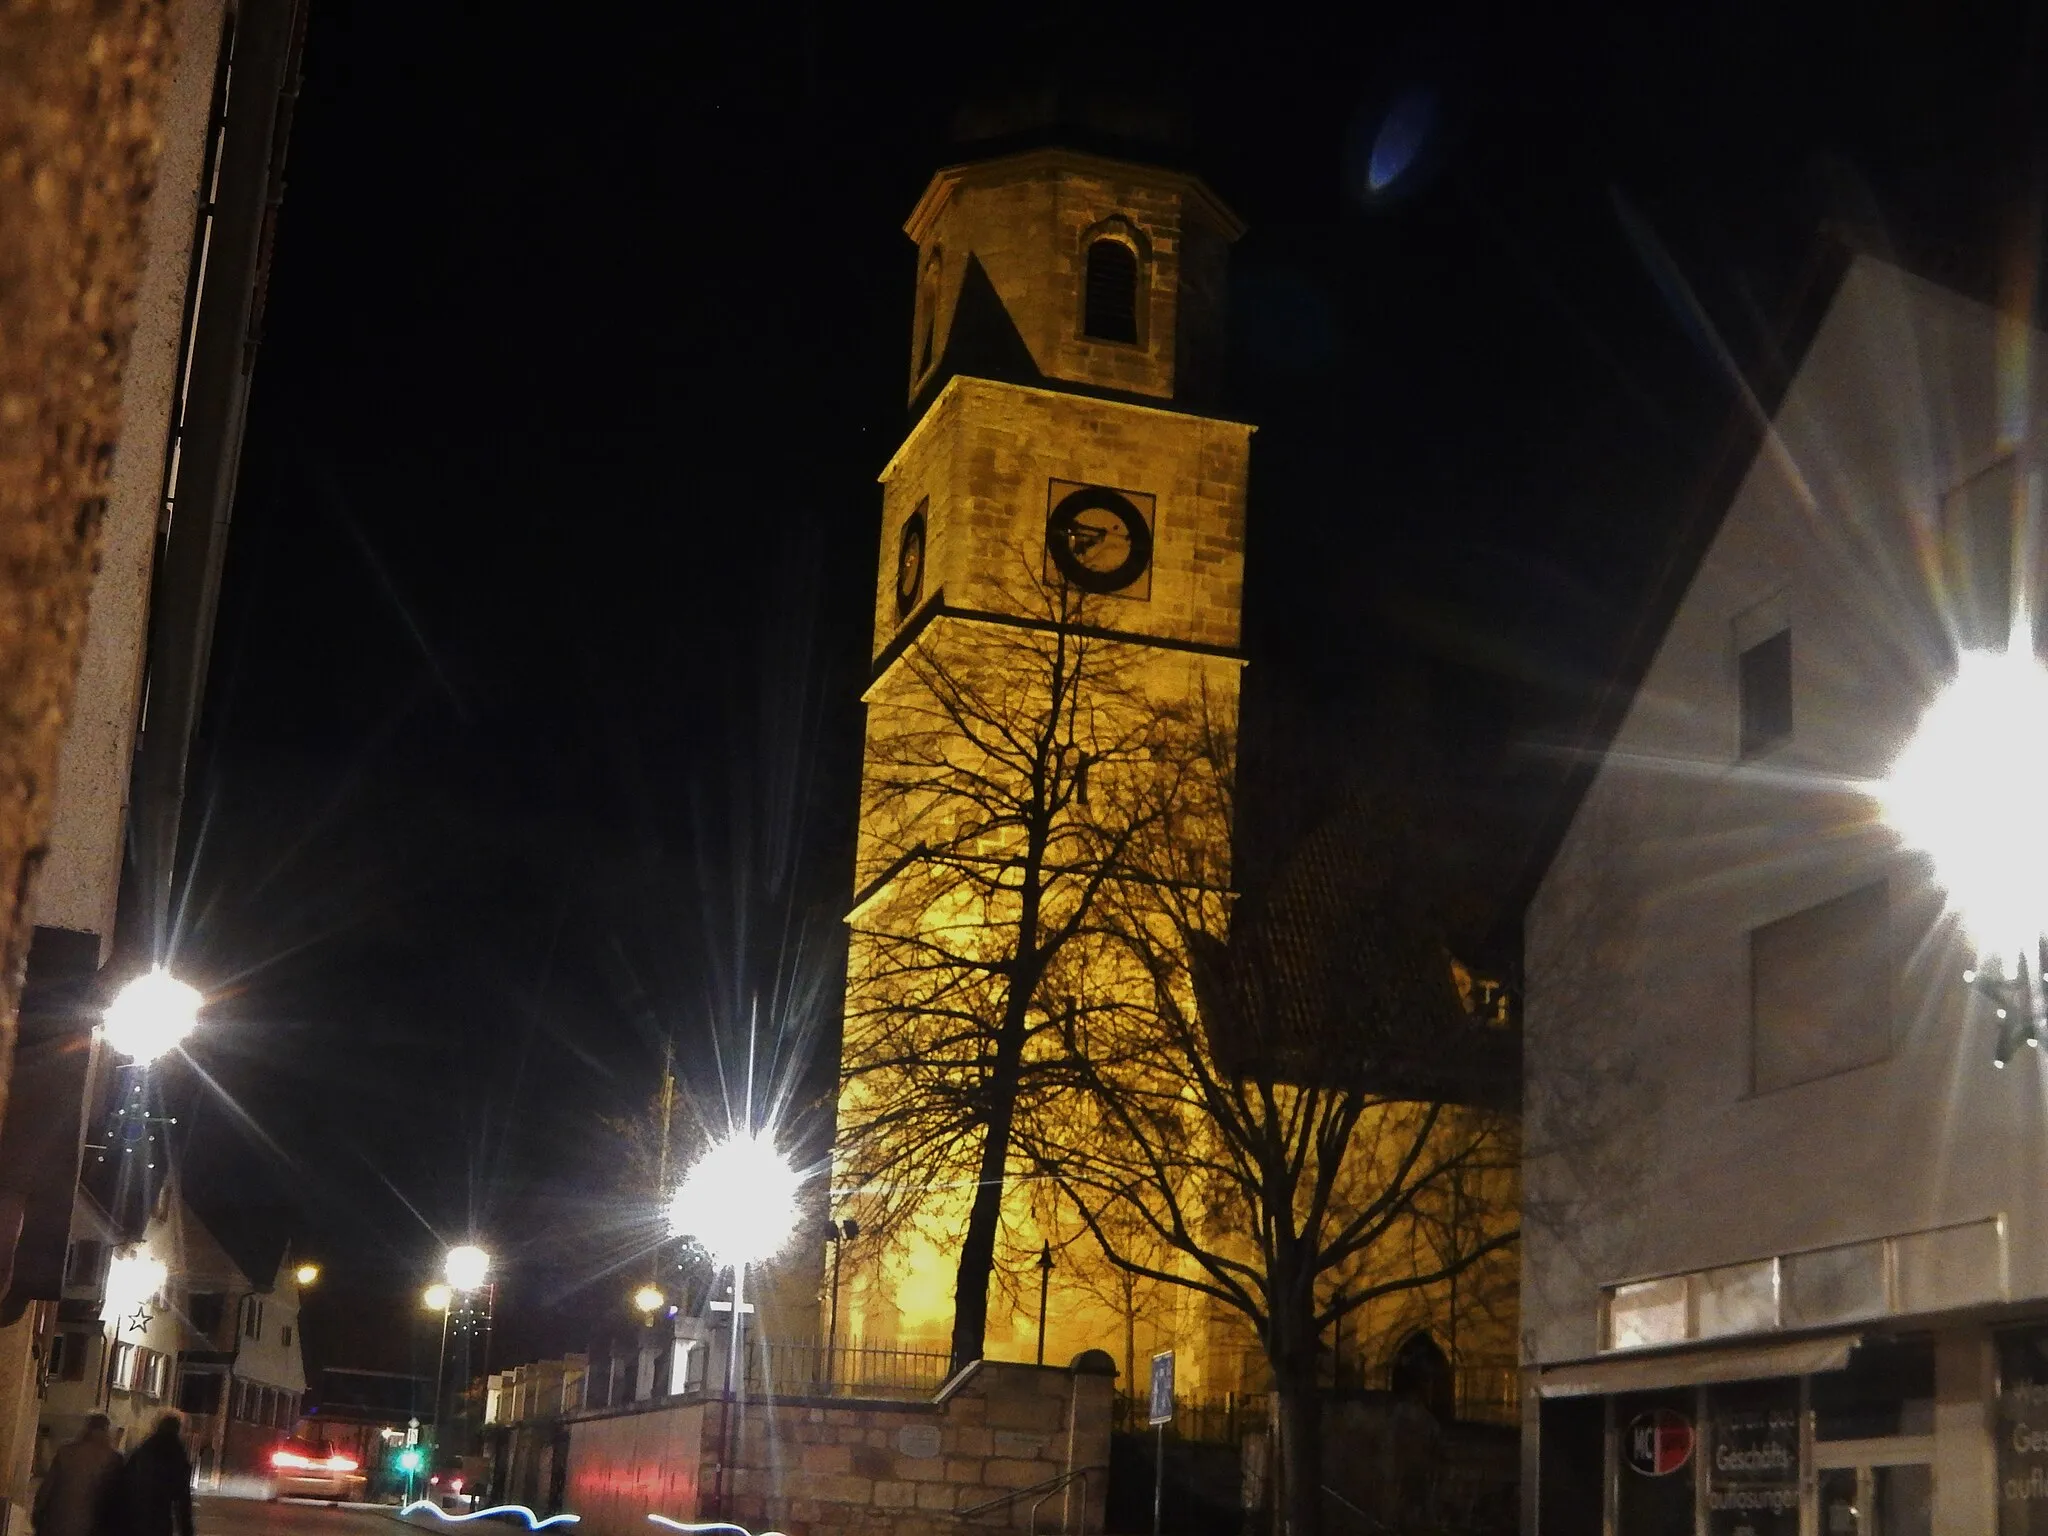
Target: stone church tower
x=1064 y=472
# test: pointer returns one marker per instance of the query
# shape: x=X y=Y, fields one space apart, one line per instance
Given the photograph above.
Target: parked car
x=301 y=1469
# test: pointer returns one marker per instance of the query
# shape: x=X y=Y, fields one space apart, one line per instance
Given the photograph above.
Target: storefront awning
x=1697 y=1367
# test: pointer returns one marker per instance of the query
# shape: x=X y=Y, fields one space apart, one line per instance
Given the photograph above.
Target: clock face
x=910 y=563
x=1098 y=538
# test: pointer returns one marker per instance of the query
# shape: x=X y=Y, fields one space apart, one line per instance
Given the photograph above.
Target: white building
x=169 y=1320
x=1786 y=1228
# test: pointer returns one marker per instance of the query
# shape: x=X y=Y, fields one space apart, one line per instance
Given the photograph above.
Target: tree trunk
x=1301 y=1449
x=79 y=86
x=978 y=1247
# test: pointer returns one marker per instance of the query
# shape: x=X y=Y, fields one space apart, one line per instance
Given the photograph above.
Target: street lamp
x=437 y=1297
x=151 y=1016
x=739 y=1202
x=1966 y=791
x=307 y=1274
x=648 y=1300
x=467 y=1267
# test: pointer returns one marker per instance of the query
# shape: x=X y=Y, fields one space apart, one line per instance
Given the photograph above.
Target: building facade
x=222 y=121
x=1785 y=1236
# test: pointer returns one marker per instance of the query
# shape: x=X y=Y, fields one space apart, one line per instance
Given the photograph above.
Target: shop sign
x=1753 y=1466
x=1659 y=1442
x=2023 y=1433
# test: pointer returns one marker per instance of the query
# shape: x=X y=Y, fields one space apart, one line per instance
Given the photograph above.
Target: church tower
x=1065 y=474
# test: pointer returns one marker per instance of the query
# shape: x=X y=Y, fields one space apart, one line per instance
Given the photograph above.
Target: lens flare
x=467 y=1267
x=1967 y=791
x=151 y=1015
x=739 y=1201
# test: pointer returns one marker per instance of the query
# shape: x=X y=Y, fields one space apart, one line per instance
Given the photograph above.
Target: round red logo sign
x=1658 y=1442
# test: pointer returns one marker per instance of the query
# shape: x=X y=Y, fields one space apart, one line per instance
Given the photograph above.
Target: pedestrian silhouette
x=154 y=1487
x=69 y=1502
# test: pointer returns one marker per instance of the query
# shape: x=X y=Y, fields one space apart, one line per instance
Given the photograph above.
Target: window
x=284 y=1335
x=252 y=1318
x=54 y=1363
x=206 y=1309
x=124 y=1367
x=1977 y=527
x=1766 y=686
x=1648 y=1312
x=1419 y=1370
x=927 y=313
x=86 y=1262
x=1820 y=990
x=199 y=1392
x=1109 y=301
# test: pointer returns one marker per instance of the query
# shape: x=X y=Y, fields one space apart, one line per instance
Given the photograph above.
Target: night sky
x=532 y=732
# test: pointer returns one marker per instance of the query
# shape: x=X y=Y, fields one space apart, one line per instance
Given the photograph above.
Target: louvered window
x=1109 y=310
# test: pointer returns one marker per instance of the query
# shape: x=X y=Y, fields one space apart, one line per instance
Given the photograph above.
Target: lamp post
x=1044 y=1285
x=838 y=1234
x=1965 y=790
x=467 y=1269
x=739 y=1201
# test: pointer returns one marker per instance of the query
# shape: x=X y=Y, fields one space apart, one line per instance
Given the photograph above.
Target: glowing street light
x=438 y=1297
x=307 y=1274
x=739 y=1201
x=151 y=1016
x=1966 y=791
x=467 y=1267
x=648 y=1299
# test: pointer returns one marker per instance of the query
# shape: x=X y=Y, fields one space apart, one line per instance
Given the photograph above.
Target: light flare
x=151 y=1016
x=739 y=1200
x=467 y=1267
x=1967 y=791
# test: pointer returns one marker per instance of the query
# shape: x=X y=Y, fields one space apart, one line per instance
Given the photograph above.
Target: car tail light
x=455 y=1485
x=341 y=1463
x=289 y=1459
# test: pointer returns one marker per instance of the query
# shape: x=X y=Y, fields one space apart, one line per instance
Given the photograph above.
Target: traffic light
x=411 y=1460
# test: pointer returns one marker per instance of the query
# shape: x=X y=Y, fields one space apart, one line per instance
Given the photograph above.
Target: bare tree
x=1329 y=1128
x=998 y=810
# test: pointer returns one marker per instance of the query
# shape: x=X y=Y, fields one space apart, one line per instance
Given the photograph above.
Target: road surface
x=254 y=1517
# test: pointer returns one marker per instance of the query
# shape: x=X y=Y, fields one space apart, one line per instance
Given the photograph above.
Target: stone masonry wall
x=826 y=1467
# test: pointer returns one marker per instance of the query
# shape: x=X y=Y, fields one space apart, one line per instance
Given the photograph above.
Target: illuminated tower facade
x=1064 y=470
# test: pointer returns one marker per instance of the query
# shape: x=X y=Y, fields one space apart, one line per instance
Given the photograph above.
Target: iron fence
x=1484 y=1394
x=855 y=1370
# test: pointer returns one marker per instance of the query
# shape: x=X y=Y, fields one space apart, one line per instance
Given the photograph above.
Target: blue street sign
x=1162 y=1388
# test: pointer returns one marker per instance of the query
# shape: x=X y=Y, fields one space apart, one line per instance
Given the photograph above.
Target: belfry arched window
x=927 y=313
x=1109 y=292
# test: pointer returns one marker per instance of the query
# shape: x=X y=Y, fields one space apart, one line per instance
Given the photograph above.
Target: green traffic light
x=411 y=1459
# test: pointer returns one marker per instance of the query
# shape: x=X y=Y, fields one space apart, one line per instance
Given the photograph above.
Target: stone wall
x=833 y=1467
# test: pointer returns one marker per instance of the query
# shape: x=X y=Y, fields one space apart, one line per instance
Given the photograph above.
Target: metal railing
x=1222 y=1421
x=861 y=1371
x=1045 y=1489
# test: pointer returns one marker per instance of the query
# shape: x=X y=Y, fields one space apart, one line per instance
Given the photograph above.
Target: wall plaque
x=2022 y=1432
x=920 y=1442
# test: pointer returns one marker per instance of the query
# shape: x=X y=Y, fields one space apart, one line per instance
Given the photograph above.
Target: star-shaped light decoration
x=140 y=1319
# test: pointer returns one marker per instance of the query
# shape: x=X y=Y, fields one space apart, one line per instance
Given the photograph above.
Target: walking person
x=75 y=1484
x=154 y=1488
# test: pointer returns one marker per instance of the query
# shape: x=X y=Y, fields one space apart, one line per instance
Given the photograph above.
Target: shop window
x=1886 y=1389
x=1820 y=991
x=1978 y=522
x=1752 y=1459
x=1109 y=307
x=1657 y=1443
